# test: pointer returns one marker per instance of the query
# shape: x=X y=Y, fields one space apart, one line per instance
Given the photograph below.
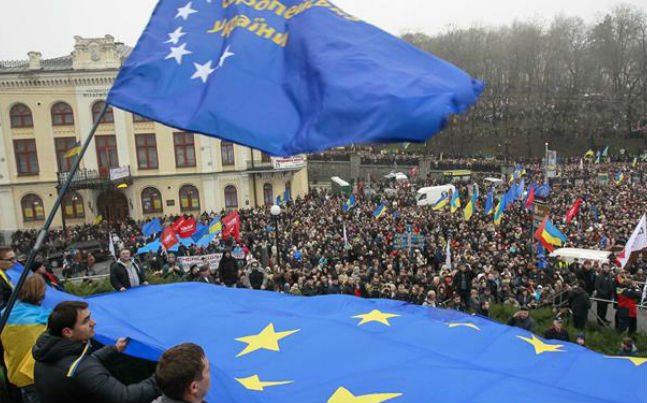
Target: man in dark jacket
x=603 y=290
x=125 y=273
x=228 y=270
x=579 y=302
x=522 y=320
x=462 y=284
x=627 y=297
x=66 y=369
x=557 y=331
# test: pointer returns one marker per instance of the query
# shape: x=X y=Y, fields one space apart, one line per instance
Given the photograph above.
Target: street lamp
x=275 y=210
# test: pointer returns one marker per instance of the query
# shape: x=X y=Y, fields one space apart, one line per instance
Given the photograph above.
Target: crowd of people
x=466 y=265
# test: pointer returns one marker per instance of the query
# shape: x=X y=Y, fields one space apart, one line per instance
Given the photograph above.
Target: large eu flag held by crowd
x=286 y=76
x=276 y=348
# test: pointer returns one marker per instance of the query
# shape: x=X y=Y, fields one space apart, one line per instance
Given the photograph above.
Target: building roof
x=63 y=63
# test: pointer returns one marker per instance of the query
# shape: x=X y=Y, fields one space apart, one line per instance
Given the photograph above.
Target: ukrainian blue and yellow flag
x=589 y=154
x=620 y=176
x=25 y=324
x=348 y=204
x=489 y=202
x=498 y=214
x=456 y=201
x=549 y=235
x=471 y=205
x=75 y=150
x=380 y=211
x=441 y=202
x=215 y=227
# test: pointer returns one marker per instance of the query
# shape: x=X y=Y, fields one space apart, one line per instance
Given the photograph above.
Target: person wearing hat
x=557 y=331
x=522 y=319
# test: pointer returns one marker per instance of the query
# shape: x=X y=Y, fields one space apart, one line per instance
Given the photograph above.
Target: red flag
x=531 y=197
x=187 y=228
x=168 y=238
x=413 y=171
x=572 y=212
x=178 y=223
x=231 y=226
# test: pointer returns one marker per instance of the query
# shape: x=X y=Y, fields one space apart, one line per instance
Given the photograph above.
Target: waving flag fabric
x=498 y=213
x=442 y=201
x=489 y=202
x=152 y=227
x=455 y=203
x=286 y=77
x=269 y=347
x=637 y=242
x=530 y=198
x=572 y=212
x=380 y=211
x=549 y=235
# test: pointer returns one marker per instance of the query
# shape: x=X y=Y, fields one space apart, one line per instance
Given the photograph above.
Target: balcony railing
x=94 y=179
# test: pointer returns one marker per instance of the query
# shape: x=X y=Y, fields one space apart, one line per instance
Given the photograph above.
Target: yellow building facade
x=133 y=167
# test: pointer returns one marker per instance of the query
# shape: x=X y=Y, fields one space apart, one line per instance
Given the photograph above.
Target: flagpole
x=43 y=232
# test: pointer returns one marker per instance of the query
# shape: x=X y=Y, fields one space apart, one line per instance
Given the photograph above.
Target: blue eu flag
x=286 y=77
x=267 y=347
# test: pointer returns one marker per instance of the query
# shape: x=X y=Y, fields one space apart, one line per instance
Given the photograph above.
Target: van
x=340 y=186
x=430 y=195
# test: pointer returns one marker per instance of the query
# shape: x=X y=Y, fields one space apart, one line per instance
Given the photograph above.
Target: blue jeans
x=30 y=394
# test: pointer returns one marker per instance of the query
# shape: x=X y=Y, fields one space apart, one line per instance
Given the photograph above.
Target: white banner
x=637 y=242
x=119 y=173
x=213 y=260
x=289 y=163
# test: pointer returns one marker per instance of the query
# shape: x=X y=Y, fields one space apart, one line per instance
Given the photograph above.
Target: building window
x=184 y=150
x=151 y=200
x=107 y=156
x=32 y=208
x=267 y=194
x=139 y=119
x=21 y=116
x=62 y=114
x=72 y=205
x=62 y=146
x=227 y=153
x=108 y=117
x=265 y=157
x=26 y=157
x=231 y=197
x=189 y=198
x=146 y=151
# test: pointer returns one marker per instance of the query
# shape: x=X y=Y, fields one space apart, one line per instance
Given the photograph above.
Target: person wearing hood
x=66 y=368
x=256 y=276
x=579 y=302
x=228 y=270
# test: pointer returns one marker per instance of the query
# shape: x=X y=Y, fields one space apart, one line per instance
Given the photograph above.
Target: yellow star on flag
x=267 y=339
x=541 y=347
x=342 y=395
x=472 y=325
x=637 y=361
x=254 y=383
x=375 y=316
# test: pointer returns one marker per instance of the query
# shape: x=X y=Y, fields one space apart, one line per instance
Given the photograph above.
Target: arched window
x=72 y=205
x=151 y=200
x=231 y=197
x=189 y=198
x=267 y=194
x=21 y=116
x=62 y=114
x=108 y=117
x=32 y=208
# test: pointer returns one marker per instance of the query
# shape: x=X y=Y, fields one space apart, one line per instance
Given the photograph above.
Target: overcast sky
x=48 y=26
